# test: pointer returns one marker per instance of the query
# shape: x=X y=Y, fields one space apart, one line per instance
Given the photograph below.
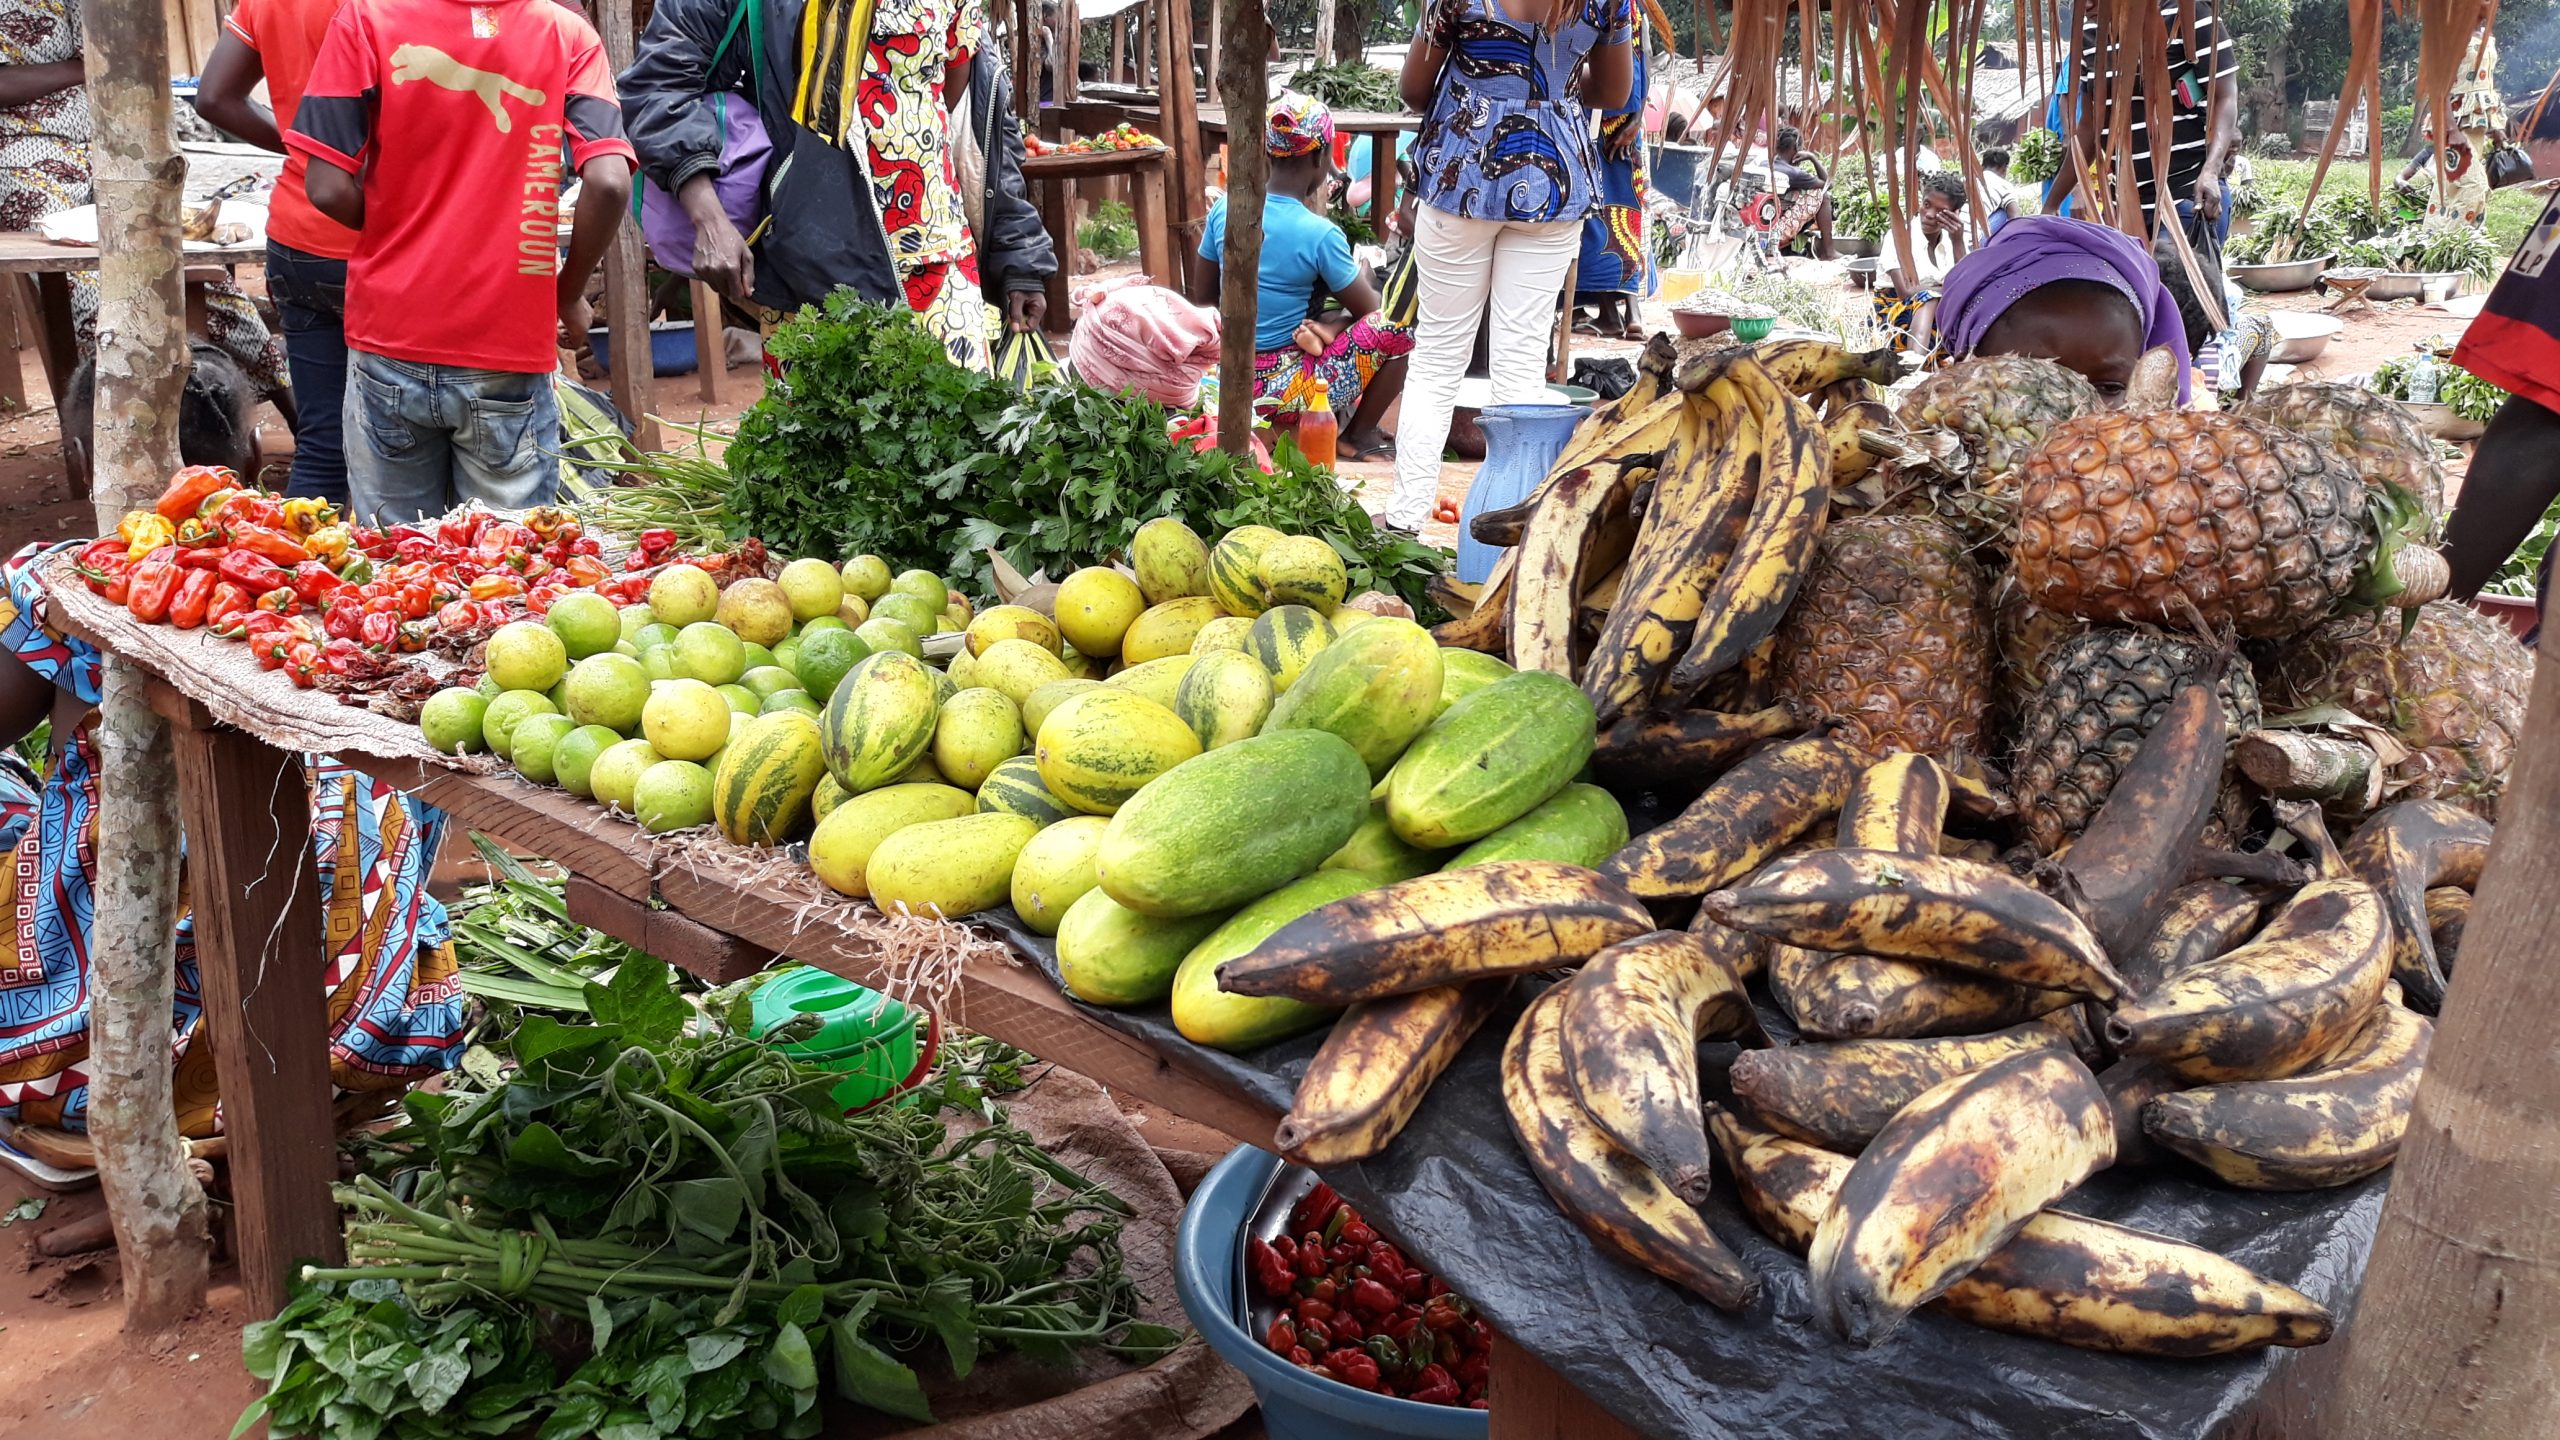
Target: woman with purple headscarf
x=2082 y=295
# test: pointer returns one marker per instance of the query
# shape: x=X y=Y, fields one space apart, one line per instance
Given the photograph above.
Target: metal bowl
x=2414 y=285
x=2279 y=279
x=2300 y=337
x=2440 y=421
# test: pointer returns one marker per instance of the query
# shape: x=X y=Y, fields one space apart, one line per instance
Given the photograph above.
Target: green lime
x=535 y=741
x=798 y=700
x=909 y=611
x=882 y=634
x=825 y=656
x=634 y=617
x=489 y=689
x=787 y=655
x=824 y=622
x=672 y=795
x=765 y=680
x=607 y=690
x=617 y=771
x=655 y=635
x=710 y=653
x=586 y=623
x=740 y=698
x=499 y=720
x=660 y=662
x=573 y=759
x=525 y=655
x=924 y=585
x=450 y=720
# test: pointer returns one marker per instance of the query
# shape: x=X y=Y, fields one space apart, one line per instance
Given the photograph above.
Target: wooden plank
x=1071 y=50
x=1527 y=1401
x=57 y=343
x=551 y=823
x=1158 y=253
x=710 y=349
x=1058 y=219
x=626 y=268
x=694 y=948
x=1181 y=113
x=13 y=334
x=1382 y=180
x=263 y=963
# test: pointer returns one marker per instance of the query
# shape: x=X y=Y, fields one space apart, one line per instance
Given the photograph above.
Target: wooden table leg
x=1528 y=1401
x=261 y=954
x=56 y=342
x=1382 y=182
x=1157 y=253
x=14 y=332
x=1062 y=235
x=710 y=348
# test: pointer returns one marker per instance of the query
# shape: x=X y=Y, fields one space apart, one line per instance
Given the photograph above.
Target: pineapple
x=1891 y=637
x=2184 y=518
x=1998 y=407
x=2375 y=434
x=2453 y=691
x=2104 y=691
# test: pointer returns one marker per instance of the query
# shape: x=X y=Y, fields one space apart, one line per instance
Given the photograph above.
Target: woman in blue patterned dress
x=1507 y=171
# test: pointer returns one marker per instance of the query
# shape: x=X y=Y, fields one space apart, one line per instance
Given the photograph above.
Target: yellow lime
x=813 y=587
x=685 y=719
x=672 y=795
x=709 y=652
x=525 y=655
x=682 y=594
x=608 y=690
x=617 y=772
x=866 y=577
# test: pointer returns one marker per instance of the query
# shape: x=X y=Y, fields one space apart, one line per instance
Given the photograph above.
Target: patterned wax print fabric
x=1615 y=258
x=1505 y=138
x=1285 y=378
x=395 y=1006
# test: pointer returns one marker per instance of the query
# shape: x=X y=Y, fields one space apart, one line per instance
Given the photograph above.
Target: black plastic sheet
x=1455 y=1193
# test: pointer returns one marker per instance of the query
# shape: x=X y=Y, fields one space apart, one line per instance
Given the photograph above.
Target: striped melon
x=767 y=776
x=1235 y=569
x=1303 y=570
x=1377 y=687
x=1171 y=560
x=1166 y=629
x=1285 y=639
x=1227 y=632
x=1345 y=618
x=1158 y=680
x=1015 y=789
x=1037 y=705
x=880 y=720
x=1096 y=750
x=1016 y=668
x=978 y=730
x=830 y=794
x=1225 y=698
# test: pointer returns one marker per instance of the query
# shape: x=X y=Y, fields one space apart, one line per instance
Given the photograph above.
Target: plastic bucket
x=864 y=1035
x=1296 y=1405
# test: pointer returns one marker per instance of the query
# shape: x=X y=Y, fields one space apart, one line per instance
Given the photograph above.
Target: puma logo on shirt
x=426 y=62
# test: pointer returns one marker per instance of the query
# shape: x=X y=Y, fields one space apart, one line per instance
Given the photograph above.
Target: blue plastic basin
x=670 y=347
x=1296 y=1405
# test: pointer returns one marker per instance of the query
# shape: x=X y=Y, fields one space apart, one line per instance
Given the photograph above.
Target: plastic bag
x=1141 y=337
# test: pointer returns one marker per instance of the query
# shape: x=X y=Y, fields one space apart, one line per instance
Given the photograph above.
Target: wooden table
x=261 y=956
x=1055 y=177
x=43 y=290
x=1381 y=127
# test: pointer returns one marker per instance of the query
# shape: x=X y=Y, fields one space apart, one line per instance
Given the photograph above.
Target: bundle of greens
x=727 y=1239
x=516 y=946
x=1349 y=85
x=2037 y=157
x=2467 y=395
x=1859 y=213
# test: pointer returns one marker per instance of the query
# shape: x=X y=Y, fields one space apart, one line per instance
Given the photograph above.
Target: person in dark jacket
x=826 y=228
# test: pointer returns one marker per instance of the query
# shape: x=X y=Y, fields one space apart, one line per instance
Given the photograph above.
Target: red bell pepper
x=193 y=597
x=189 y=487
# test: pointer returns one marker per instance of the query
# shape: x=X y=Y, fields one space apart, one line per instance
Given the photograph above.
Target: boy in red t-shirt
x=454 y=114
x=307 y=252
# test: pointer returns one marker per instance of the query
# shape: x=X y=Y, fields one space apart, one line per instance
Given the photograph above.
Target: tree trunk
x=1244 y=87
x=1324 y=32
x=158 y=1207
x=2460 y=1308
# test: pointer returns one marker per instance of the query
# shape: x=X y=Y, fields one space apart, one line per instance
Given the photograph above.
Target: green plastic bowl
x=1753 y=330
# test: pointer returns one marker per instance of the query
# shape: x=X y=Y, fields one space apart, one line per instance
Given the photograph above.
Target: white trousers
x=1458 y=264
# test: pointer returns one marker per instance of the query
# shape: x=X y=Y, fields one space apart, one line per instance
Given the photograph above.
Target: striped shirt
x=2191 y=80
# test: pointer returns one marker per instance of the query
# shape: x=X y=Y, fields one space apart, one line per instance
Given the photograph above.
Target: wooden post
x=1070 y=49
x=710 y=344
x=1119 y=70
x=2461 y=1301
x=157 y=1208
x=1180 y=115
x=260 y=949
x=1156 y=254
x=626 y=269
x=1244 y=88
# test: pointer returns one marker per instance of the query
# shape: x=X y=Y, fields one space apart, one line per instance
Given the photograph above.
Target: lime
x=682 y=594
x=757 y=609
x=672 y=795
x=499 y=720
x=829 y=621
x=925 y=586
x=586 y=623
x=656 y=635
x=489 y=689
x=825 y=656
x=660 y=662
x=909 y=611
x=450 y=720
x=617 y=771
x=740 y=698
x=866 y=577
x=633 y=617
x=709 y=652
x=525 y=655
x=786 y=655
x=756 y=655
x=573 y=758
x=625 y=647
x=685 y=719
x=790 y=700
x=770 y=679
x=813 y=587
x=884 y=634
x=607 y=690
x=535 y=741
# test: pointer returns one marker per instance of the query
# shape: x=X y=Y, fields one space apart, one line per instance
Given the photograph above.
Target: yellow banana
x=2403 y=851
x=1948 y=1181
x=1555 y=546
x=1503 y=917
x=2274 y=1006
x=1375 y=1066
x=1921 y=907
x=1630 y=1034
x=2063 y=1277
x=1599 y=1185
x=1867 y=997
x=1844 y=430
x=1898 y=803
x=1839 y=1095
x=2203 y=920
x=1750 y=813
x=2328 y=1126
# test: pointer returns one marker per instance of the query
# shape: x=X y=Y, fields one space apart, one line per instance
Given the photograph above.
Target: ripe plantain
x=1695 y=516
x=1375 y=1066
x=1839 y=1095
x=1662 y=749
x=1553 y=555
x=1867 y=997
x=2202 y=921
x=1630 y=1033
x=1635 y=422
x=2448 y=914
x=1921 y=907
x=1799 y=366
x=1844 y=429
x=1503 y=917
x=2064 y=1277
x=1746 y=816
x=1487 y=628
x=1948 y=1181
x=2118 y=874
x=2403 y=851
x=2329 y=1126
x=2274 y=1006
x=2130 y=1085
x=1775 y=552
x=1598 y=1184
x=1899 y=803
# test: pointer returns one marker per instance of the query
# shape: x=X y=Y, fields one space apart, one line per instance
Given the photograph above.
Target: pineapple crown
x=2399 y=570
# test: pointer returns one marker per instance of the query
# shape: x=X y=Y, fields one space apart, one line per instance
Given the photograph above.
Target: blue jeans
x=423 y=438
x=310 y=292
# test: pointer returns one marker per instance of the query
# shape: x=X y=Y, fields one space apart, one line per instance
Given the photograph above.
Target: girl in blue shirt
x=1508 y=171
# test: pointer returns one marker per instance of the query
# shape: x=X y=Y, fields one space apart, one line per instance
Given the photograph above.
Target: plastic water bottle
x=2423 y=380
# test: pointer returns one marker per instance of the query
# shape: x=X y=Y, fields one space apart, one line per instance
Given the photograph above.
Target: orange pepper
x=493 y=587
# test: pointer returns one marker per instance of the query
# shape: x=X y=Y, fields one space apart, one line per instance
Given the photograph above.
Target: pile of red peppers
x=1353 y=1309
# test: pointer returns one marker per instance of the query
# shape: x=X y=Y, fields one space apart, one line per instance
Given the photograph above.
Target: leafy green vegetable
x=1349 y=85
x=2467 y=395
x=2037 y=158
x=360 y=1359
x=516 y=945
x=1110 y=232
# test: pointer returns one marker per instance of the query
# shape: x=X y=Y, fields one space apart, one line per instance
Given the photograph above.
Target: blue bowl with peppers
x=1217 y=1248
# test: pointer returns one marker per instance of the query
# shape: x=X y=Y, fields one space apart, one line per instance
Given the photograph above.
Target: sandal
x=1383 y=452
